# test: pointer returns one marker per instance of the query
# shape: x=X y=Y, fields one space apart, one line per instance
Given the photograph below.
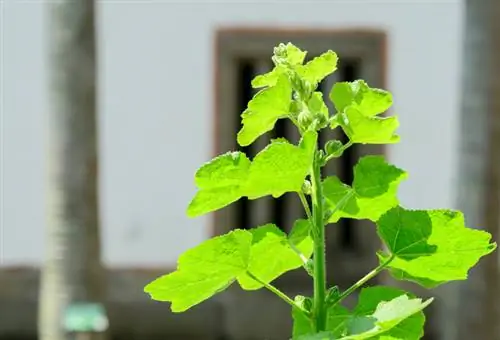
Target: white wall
x=155 y=110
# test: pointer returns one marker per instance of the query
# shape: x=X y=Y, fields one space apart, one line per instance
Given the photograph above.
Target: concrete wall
x=156 y=84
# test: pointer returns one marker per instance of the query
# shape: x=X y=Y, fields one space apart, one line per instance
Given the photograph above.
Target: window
x=240 y=56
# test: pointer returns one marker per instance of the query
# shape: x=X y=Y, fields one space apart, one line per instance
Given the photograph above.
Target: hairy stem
x=319 y=308
x=278 y=292
x=365 y=279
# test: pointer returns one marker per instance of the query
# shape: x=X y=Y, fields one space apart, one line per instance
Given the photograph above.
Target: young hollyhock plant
x=428 y=247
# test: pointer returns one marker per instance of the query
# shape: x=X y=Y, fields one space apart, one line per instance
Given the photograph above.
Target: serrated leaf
x=369 y=101
x=368 y=130
x=271 y=256
x=412 y=328
x=203 y=271
x=281 y=167
x=381 y=313
x=431 y=247
x=374 y=190
x=318 y=68
x=269 y=78
x=220 y=182
x=386 y=316
x=265 y=108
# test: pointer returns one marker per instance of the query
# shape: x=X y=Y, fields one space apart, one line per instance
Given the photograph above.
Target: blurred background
x=109 y=107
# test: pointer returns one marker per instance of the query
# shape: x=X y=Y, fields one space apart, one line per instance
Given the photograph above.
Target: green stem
x=319 y=308
x=306 y=205
x=278 y=292
x=365 y=279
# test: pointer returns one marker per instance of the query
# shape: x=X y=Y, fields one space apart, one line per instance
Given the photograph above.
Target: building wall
x=156 y=99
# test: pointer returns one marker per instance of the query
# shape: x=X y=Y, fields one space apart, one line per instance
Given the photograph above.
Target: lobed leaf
x=318 y=68
x=265 y=108
x=203 y=271
x=431 y=247
x=373 y=193
x=357 y=94
x=358 y=106
x=269 y=78
x=272 y=255
x=367 y=130
x=281 y=167
x=382 y=313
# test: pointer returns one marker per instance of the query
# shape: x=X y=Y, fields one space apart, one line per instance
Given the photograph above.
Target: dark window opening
x=349 y=70
x=279 y=204
x=246 y=71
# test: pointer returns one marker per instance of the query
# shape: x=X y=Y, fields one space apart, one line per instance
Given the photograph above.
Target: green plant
x=428 y=247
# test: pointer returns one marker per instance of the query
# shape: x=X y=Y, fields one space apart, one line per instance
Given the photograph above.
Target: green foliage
x=380 y=311
x=429 y=247
x=373 y=191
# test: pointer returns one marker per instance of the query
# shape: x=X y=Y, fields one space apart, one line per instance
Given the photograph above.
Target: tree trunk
x=71 y=271
x=476 y=312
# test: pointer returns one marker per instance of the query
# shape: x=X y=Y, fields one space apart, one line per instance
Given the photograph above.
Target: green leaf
x=300 y=237
x=431 y=247
x=203 y=271
x=318 y=336
x=265 y=108
x=294 y=55
x=271 y=256
x=369 y=101
x=335 y=324
x=221 y=182
x=270 y=78
x=367 y=130
x=318 y=68
x=369 y=307
x=374 y=190
x=281 y=167
x=381 y=313
x=317 y=105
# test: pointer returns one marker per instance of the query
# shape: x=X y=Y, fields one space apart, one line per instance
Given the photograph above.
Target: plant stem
x=306 y=205
x=365 y=279
x=278 y=292
x=319 y=308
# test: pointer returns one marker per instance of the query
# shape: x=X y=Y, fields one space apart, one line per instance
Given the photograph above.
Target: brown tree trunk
x=72 y=270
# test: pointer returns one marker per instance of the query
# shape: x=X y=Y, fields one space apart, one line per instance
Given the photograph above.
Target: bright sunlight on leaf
x=381 y=310
x=266 y=107
x=373 y=193
x=272 y=255
x=281 y=167
x=431 y=247
x=204 y=271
